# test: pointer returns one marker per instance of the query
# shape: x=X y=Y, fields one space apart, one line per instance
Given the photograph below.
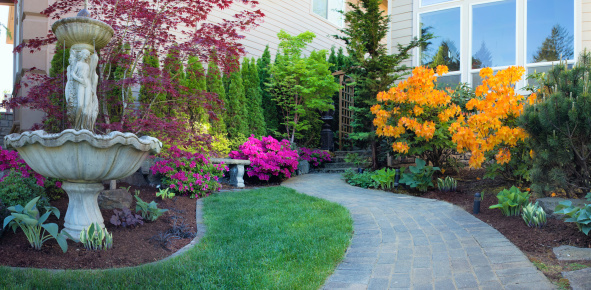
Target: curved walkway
x=407 y=242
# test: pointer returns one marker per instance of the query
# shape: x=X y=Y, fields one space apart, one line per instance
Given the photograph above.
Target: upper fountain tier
x=82 y=32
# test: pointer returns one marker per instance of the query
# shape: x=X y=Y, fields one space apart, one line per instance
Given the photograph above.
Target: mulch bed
x=537 y=244
x=131 y=246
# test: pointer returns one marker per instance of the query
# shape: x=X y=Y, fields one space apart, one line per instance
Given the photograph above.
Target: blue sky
x=5 y=54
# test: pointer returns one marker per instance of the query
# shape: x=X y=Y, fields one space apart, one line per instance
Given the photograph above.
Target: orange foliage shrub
x=492 y=128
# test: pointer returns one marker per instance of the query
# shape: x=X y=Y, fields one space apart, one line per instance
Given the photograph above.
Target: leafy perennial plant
x=188 y=173
x=268 y=157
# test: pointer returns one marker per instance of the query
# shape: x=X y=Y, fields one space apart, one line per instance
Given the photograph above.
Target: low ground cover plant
x=268 y=157
x=511 y=201
x=16 y=189
x=316 y=157
x=363 y=179
x=189 y=173
x=33 y=225
x=125 y=218
x=581 y=216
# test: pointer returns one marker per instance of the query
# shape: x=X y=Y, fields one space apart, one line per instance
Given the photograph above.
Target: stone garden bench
x=236 y=174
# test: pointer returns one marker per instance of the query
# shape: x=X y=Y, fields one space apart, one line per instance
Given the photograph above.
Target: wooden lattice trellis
x=346 y=100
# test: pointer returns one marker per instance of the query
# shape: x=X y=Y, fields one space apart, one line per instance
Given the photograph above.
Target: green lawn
x=267 y=238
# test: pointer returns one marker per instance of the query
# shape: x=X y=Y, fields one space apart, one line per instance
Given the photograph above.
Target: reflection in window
x=444 y=25
x=493 y=34
x=431 y=2
x=550 y=30
x=329 y=9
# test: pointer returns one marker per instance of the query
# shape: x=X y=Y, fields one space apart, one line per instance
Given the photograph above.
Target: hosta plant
x=534 y=215
x=33 y=225
x=95 y=238
x=580 y=216
x=149 y=211
x=511 y=201
x=384 y=177
x=165 y=193
x=449 y=184
x=419 y=176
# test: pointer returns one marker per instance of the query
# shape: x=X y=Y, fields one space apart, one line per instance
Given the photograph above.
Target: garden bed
x=131 y=246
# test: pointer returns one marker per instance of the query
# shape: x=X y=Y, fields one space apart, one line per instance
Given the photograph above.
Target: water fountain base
x=83 y=207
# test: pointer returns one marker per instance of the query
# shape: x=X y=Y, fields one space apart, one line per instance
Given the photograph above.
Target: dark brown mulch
x=131 y=246
x=537 y=244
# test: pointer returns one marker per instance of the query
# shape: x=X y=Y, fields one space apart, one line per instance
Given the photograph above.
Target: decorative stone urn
x=80 y=157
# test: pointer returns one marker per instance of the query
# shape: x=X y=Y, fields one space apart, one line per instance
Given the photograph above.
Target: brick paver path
x=407 y=242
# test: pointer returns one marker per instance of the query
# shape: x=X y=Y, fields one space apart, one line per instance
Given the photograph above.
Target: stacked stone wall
x=6 y=120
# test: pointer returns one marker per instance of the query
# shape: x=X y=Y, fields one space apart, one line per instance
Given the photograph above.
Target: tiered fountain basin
x=83 y=160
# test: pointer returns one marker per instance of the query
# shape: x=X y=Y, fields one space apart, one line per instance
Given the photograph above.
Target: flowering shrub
x=315 y=156
x=418 y=115
x=10 y=160
x=267 y=157
x=187 y=173
x=493 y=128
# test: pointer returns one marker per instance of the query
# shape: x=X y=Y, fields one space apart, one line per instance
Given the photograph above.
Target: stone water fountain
x=78 y=156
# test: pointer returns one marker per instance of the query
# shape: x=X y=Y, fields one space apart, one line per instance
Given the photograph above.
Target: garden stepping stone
x=570 y=253
x=580 y=279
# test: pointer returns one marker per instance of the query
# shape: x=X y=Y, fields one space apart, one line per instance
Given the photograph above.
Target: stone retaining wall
x=6 y=120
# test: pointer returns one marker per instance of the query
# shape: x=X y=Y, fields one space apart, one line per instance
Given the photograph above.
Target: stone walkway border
x=406 y=242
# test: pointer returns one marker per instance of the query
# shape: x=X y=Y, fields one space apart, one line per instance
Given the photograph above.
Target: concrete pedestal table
x=236 y=176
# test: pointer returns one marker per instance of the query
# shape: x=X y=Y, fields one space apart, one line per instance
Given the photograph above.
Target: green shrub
x=419 y=176
x=3 y=214
x=15 y=189
x=534 y=215
x=95 y=238
x=511 y=201
x=580 y=216
x=559 y=129
x=355 y=159
x=449 y=184
x=149 y=211
x=28 y=219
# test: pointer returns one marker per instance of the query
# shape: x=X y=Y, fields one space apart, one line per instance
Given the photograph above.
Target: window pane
x=541 y=69
x=320 y=7
x=431 y=2
x=448 y=81
x=334 y=16
x=493 y=34
x=550 y=30
x=443 y=49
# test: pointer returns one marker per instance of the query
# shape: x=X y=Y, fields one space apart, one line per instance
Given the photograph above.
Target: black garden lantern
x=326 y=135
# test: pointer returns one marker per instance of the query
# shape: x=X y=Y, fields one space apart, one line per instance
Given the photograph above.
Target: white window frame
x=465 y=46
x=339 y=25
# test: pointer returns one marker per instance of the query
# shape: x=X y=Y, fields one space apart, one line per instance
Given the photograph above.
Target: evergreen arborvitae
x=235 y=121
x=332 y=58
x=343 y=61
x=252 y=91
x=216 y=86
x=196 y=86
x=559 y=130
x=118 y=72
x=59 y=63
x=269 y=106
x=174 y=72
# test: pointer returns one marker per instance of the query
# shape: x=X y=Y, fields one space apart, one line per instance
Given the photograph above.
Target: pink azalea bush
x=187 y=173
x=9 y=160
x=268 y=157
x=315 y=156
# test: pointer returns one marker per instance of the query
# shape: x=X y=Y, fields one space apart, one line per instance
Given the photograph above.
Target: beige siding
x=586 y=25
x=401 y=24
x=292 y=16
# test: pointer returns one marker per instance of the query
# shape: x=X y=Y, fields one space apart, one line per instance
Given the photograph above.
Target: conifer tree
x=216 y=86
x=235 y=121
x=150 y=67
x=268 y=105
x=253 y=91
x=173 y=71
x=196 y=85
x=118 y=72
x=332 y=59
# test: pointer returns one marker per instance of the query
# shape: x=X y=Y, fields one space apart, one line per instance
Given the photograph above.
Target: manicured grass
x=267 y=238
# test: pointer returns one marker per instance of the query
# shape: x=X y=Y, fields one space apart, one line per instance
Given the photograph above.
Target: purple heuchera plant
x=315 y=156
x=267 y=157
x=188 y=173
